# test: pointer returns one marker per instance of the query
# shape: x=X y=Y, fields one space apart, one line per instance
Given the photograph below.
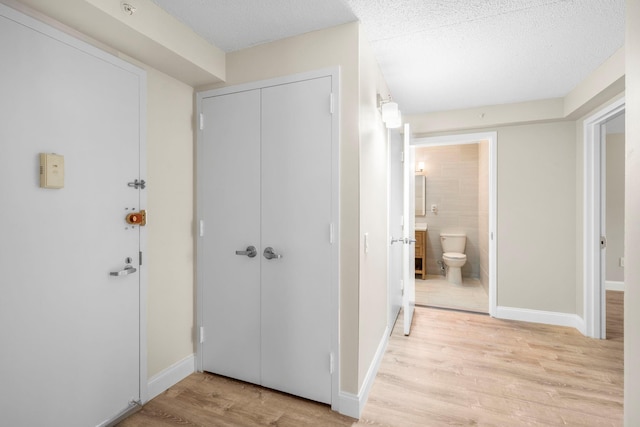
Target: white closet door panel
x=296 y=215
x=229 y=163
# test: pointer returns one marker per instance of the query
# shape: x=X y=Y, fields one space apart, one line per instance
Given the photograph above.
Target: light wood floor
x=455 y=369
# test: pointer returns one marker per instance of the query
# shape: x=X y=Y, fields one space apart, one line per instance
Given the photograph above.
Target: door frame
x=594 y=291
x=408 y=229
x=473 y=138
x=334 y=230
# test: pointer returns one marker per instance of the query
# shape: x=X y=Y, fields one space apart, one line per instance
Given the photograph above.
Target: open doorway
x=603 y=259
x=456 y=200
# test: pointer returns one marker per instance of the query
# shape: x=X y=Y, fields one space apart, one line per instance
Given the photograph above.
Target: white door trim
x=473 y=138
x=144 y=265
x=334 y=232
x=593 y=288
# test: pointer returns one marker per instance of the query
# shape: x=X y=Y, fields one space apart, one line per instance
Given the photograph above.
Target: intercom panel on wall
x=51 y=170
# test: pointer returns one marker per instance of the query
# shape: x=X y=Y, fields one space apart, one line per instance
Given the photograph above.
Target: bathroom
x=455 y=200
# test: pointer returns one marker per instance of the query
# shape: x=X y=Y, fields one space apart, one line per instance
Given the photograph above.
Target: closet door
x=296 y=217
x=229 y=204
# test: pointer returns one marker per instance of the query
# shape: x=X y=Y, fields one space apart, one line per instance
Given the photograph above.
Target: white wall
x=632 y=225
x=373 y=211
x=536 y=215
x=170 y=200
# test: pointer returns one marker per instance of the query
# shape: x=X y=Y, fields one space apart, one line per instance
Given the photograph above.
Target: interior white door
x=296 y=223
x=229 y=205
x=396 y=207
x=603 y=231
x=69 y=330
x=409 y=278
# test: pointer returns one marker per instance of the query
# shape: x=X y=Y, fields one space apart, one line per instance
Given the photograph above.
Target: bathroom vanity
x=421 y=253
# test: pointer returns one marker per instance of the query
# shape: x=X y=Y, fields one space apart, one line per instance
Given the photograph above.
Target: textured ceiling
x=438 y=55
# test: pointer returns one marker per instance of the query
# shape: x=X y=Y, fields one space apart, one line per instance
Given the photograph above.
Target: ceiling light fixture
x=396 y=122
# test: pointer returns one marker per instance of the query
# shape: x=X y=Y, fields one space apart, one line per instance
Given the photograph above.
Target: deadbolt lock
x=137 y=218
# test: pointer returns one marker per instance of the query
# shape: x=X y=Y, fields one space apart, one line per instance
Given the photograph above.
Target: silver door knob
x=394 y=240
x=250 y=252
x=408 y=240
x=127 y=270
x=270 y=254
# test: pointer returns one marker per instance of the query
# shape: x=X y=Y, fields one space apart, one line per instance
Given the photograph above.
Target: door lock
x=270 y=254
x=137 y=218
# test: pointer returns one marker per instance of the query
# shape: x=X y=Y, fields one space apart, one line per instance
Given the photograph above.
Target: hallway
x=455 y=369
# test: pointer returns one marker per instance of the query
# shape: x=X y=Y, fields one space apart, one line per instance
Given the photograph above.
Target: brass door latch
x=137 y=218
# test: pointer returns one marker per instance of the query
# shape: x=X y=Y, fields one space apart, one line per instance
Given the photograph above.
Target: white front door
x=265 y=181
x=409 y=229
x=69 y=330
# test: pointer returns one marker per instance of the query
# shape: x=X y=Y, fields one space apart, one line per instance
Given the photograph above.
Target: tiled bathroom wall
x=452 y=177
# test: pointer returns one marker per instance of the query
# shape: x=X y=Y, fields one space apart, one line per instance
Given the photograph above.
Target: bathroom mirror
x=421 y=183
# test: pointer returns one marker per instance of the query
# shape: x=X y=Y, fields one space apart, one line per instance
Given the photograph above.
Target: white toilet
x=454 y=258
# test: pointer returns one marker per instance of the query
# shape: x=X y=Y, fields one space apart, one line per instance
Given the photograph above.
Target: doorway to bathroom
x=456 y=196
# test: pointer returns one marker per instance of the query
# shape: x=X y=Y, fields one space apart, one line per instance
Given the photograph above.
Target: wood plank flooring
x=455 y=369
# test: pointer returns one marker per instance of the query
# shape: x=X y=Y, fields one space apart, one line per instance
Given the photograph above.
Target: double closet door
x=265 y=250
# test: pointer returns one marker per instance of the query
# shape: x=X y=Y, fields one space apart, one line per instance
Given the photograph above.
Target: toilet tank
x=453 y=242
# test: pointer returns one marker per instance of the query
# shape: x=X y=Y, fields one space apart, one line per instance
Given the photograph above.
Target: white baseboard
x=610 y=285
x=539 y=316
x=170 y=376
x=352 y=405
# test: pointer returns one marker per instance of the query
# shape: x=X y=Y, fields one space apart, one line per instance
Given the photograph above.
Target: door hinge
x=331 y=363
x=201 y=228
x=402 y=157
x=201 y=337
x=331 y=233
x=201 y=119
x=331 y=103
x=140 y=258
